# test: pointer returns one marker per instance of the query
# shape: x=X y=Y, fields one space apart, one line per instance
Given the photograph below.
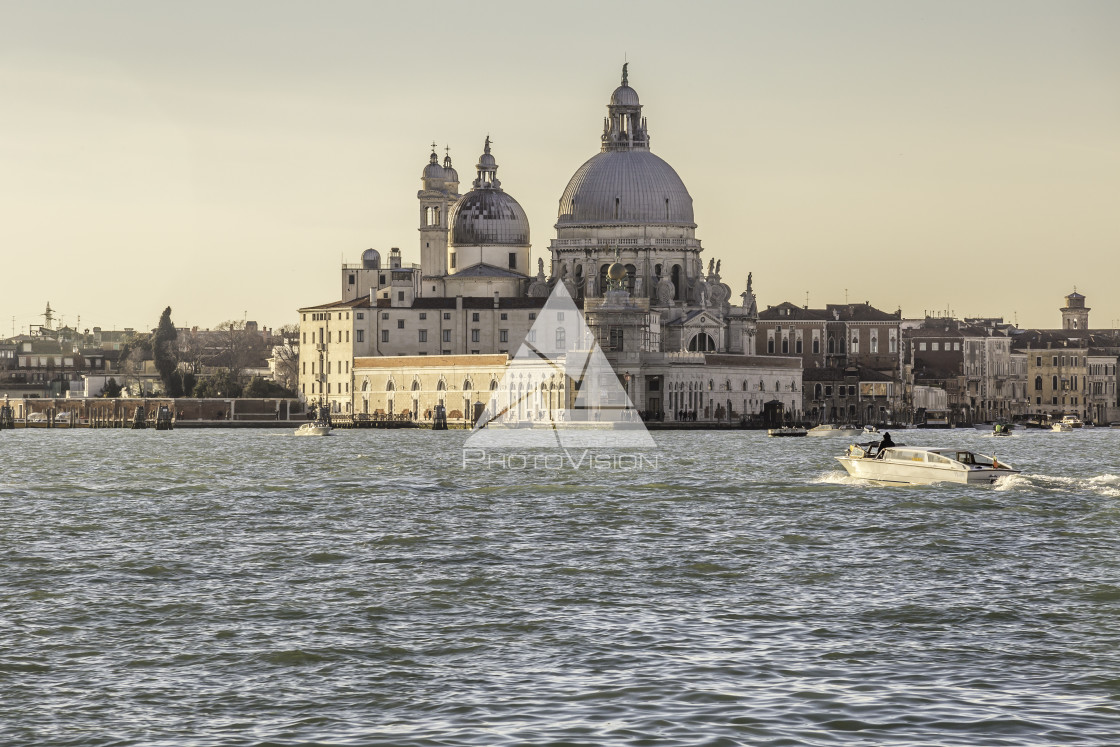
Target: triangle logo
x=560 y=390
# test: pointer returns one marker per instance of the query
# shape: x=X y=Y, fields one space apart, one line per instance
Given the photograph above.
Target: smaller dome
x=433 y=170
x=616 y=272
x=488 y=216
x=487 y=162
x=450 y=174
x=371 y=259
x=624 y=96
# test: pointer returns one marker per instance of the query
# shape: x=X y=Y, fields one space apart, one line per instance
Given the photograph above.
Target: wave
x=836 y=477
x=1107 y=485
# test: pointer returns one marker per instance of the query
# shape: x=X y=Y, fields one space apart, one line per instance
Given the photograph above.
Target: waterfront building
x=677 y=339
x=851 y=349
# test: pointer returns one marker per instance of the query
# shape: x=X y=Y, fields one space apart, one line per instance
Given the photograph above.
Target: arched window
x=1038 y=383
x=493 y=384
x=1055 y=387
x=817 y=392
x=466 y=385
x=831 y=345
x=390 y=386
x=416 y=385
x=702 y=343
x=785 y=345
x=440 y=387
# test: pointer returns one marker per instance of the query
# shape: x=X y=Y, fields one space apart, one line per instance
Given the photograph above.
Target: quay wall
x=98 y=412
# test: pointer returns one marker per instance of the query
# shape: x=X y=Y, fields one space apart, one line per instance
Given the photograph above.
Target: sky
x=225 y=158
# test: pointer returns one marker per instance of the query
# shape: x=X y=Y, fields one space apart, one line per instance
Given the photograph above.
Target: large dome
x=488 y=216
x=625 y=187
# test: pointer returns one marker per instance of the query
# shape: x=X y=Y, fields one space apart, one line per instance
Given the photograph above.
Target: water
x=252 y=588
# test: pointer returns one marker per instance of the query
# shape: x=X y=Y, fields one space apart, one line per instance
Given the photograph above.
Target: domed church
x=475 y=292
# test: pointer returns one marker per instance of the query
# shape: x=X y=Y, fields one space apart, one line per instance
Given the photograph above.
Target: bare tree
x=285 y=357
x=192 y=350
x=239 y=347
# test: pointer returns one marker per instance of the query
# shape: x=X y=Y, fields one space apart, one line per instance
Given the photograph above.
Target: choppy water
x=251 y=588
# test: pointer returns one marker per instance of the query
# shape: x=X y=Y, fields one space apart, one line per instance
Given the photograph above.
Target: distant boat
x=786 y=432
x=1062 y=427
x=316 y=428
x=831 y=429
x=1072 y=421
x=922 y=465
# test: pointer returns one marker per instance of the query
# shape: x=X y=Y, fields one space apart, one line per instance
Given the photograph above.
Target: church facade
x=684 y=350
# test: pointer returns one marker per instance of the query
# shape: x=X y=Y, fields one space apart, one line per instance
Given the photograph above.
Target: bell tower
x=1075 y=314
x=439 y=188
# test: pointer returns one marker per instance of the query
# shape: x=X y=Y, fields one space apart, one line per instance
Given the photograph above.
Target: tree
x=221 y=384
x=240 y=347
x=285 y=357
x=111 y=389
x=164 y=351
x=261 y=387
x=134 y=351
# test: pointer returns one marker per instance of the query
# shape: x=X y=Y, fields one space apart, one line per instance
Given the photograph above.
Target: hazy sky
x=223 y=158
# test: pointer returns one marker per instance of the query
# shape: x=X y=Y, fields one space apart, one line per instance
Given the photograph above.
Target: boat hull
x=313 y=430
x=879 y=470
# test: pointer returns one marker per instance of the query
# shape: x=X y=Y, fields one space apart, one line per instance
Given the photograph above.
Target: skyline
x=226 y=160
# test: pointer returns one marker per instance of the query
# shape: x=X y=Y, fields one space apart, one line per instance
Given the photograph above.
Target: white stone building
x=474 y=291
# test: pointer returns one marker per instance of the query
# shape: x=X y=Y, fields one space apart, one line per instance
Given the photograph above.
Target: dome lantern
x=625 y=127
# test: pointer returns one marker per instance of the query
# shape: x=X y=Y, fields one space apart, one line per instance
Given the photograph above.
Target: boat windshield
x=967 y=457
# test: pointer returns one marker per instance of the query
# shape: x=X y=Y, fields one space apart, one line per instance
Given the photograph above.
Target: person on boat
x=886 y=443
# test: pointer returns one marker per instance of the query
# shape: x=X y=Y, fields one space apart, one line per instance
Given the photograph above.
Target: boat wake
x=1102 y=485
x=840 y=477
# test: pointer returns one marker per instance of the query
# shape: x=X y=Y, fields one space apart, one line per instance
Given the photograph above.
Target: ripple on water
x=215 y=588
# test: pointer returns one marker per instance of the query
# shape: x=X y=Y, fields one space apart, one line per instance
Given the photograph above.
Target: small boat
x=1062 y=427
x=922 y=465
x=786 y=432
x=1072 y=421
x=316 y=428
x=870 y=430
x=831 y=429
x=1001 y=429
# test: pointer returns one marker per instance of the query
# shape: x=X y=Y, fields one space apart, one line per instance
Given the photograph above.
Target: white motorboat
x=1062 y=427
x=922 y=465
x=1073 y=421
x=831 y=429
x=317 y=428
x=870 y=430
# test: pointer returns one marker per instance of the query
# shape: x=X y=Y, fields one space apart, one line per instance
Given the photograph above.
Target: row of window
x=936 y=346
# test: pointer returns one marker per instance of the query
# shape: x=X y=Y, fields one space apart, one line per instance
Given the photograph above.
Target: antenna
x=845 y=295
